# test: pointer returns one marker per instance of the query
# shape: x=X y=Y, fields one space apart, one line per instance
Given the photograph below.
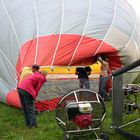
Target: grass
x=12 y=125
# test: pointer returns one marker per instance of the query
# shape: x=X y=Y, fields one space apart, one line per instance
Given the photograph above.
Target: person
x=35 y=68
x=28 y=90
x=103 y=76
x=83 y=76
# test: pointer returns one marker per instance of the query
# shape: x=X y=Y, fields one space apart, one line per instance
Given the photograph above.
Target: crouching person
x=28 y=90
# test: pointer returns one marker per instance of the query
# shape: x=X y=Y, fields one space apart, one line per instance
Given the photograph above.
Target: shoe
x=36 y=112
x=32 y=126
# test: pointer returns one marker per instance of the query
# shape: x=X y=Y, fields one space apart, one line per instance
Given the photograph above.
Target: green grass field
x=12 y=125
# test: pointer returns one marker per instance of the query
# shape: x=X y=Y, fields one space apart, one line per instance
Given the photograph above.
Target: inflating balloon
x=67 y=33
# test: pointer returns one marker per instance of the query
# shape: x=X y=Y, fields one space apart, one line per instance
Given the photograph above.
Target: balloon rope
x=5 y=83
x=5 y=9
x=59 y=38
x=9 y=62
x=15 y=35
x=37 y=33
x=89 y=9
x=108 y=29
x=136 y=46
x=134 y=29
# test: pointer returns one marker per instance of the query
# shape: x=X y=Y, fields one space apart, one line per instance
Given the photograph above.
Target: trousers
x=84 y=83
x=27 y=104
x=102 y=86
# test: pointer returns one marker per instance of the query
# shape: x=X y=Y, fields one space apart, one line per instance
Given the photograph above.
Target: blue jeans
x=84 y=83
x=27 y=103
x=102 y=86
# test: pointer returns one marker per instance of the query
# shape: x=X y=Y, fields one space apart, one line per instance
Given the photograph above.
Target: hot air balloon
x=67 y=33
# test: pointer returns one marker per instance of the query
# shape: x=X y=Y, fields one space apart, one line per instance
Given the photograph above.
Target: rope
x=15 y=35
x=134 y=29
x=37 y=33
x=5 y=83
x=108 y=29
x=62 y=18
x=6 y=11
x=89 y=9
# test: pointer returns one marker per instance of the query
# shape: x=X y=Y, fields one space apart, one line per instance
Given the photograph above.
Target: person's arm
x=101 y=60
x=89 y=71
x=39 y=85
x=76 y=72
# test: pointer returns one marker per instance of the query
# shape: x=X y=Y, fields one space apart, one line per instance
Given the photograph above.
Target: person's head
x=102 y=57
x=43 y=72
x=35 y=68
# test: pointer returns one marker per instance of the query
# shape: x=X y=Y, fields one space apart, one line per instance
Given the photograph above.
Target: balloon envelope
x=67 y=33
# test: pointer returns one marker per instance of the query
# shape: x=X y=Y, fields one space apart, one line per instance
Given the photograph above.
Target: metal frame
x=118 y=101
x=90 y=129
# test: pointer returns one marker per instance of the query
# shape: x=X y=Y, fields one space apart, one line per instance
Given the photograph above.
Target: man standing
x=83 y=73
x=103 y=76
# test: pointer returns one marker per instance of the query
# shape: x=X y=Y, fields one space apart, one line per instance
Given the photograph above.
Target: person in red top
x=28 y=90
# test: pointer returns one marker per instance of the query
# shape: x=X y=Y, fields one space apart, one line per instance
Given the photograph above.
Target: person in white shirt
x=103 y=76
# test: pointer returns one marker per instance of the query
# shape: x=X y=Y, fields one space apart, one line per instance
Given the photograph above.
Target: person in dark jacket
x=28 y=90
x=83 y=76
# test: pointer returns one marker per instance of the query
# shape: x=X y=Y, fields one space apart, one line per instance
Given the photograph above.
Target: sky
x=136 y=5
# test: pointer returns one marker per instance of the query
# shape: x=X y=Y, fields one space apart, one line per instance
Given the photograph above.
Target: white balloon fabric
x=63 y=33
